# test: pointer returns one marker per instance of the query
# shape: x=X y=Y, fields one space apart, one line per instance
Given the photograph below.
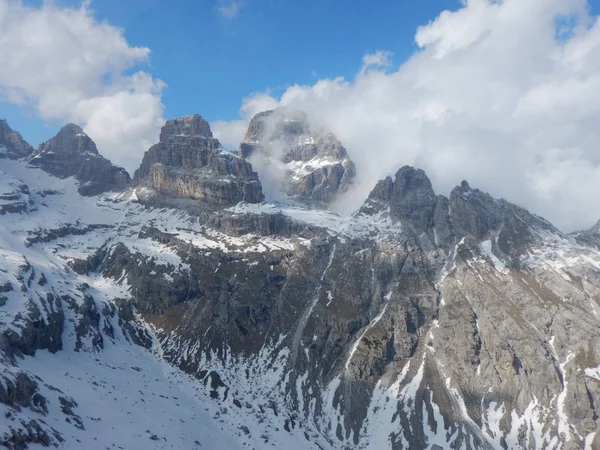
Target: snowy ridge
x=356 y=226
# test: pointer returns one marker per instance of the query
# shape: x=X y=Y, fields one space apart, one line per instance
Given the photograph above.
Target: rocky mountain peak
x=477 y=214
x=410 y=199
x=12 y=144
x=70 y=140
x=596 y=228
x=191 y=126
x=189 y=163
x=279 y=124
x=72 y=153
x=383 y=190
x=309 y=163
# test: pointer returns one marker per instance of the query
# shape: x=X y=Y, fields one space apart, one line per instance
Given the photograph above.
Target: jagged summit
x=307 y=163
x=439 y=221
x=188 y=162
x=191 y=126
x=478 y=214
x=71 y=140
x=72 y=153
x=12 y=144
x=410 y=199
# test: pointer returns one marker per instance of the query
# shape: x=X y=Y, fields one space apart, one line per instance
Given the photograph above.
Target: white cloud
x=230 y=10
x=70 y=67
x=493 y=96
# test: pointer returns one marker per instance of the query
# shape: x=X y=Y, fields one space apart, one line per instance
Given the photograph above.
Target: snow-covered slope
x=102 y=388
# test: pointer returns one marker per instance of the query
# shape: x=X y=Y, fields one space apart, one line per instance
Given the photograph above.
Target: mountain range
x=214 y=301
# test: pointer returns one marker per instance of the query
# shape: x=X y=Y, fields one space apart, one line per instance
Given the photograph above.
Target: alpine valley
x=177 y=308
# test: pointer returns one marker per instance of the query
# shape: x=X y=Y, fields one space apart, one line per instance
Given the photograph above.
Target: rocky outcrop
x=14 y=195
x=311 y=165
x=189 y=163
x=12 y=144
x=477 y=214
x=589 y=237
x=71 y=153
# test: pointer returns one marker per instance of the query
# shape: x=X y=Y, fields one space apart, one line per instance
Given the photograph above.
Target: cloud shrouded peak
x=75 y=71
x=501 y=93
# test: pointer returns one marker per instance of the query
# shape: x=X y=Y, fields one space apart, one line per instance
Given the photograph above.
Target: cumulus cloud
x=498 y=94
x=69 y=67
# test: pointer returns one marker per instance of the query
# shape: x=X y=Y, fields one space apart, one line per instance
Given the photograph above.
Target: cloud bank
x=71 y=68
x=505 y=94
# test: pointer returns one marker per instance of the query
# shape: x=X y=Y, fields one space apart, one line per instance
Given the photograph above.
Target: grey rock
x=410 y=199
x=589 y=237
x=71 y=153
x=15 y=197
x=20 y=392
x=477 y=214
x=12 y=144
x=189 y=163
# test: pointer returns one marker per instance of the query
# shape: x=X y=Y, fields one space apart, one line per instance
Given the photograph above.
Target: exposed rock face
x=189 y=163
x=311 y=165
x=12 y=144
x=71 y=153
x=477 y=214
x=589 y=237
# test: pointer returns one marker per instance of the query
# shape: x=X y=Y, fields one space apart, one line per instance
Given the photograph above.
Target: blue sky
x=210 y=62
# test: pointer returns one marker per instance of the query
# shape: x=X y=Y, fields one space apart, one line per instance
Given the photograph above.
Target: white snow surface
x=486 y=246
x=301 y=169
